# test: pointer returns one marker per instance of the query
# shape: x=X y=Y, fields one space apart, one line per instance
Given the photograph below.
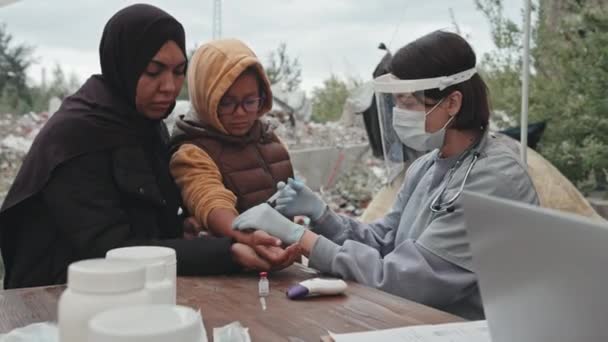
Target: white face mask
x=410 y=128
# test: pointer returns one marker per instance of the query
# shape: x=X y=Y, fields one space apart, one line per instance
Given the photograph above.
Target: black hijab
x=130 y=39
x=101 y=114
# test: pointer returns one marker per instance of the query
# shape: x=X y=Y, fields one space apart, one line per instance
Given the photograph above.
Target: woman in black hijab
x=96 y=176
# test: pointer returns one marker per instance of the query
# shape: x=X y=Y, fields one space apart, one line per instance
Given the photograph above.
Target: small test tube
x=263 y=289
x=263 y=286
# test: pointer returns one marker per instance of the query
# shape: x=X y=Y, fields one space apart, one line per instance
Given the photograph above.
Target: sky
x=327 y=36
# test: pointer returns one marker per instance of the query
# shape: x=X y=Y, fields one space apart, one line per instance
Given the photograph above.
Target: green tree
x=40 y=98
x=568 y=84
x=60 y=86
x=11 y=100
x=15 y=59
x=284 y=70
x=328 y=100
x=502 y=68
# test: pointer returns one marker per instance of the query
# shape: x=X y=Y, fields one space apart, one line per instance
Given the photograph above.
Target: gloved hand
x=295 y=198
x=264 y=217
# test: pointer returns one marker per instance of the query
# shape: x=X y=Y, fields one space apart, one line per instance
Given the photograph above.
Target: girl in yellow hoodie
x=227 y=158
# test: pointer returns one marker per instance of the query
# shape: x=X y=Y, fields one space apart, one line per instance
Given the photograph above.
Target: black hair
x=443 y=53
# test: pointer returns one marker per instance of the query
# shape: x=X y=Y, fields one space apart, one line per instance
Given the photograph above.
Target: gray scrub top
x=416 y=253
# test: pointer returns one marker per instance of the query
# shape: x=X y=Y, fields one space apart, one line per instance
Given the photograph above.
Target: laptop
x=543 y=274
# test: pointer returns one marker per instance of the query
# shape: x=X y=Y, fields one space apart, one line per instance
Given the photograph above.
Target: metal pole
x=217 y=19
x=525 y=91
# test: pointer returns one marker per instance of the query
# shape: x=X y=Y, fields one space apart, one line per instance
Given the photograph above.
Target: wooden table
x=224 y=299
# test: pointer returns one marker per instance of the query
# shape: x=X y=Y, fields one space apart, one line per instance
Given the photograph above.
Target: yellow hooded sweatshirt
x=212 y=71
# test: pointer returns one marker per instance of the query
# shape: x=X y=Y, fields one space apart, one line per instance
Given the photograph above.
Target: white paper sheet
x=453 y=332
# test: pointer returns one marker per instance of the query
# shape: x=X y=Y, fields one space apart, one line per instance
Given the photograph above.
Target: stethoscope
x=437 y=206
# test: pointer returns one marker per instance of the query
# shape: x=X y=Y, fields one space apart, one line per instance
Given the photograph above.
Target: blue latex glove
x=295 y=198
x=264 y=217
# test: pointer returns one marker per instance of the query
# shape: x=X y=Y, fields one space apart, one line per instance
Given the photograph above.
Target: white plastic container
x=161 y=269
x=151 y=323
x=158 y=283
x=94 y=286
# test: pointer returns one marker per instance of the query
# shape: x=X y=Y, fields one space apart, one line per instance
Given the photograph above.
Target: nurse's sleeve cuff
x=323 y=254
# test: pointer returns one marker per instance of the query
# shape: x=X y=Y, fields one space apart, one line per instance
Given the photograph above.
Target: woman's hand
x=192 y=228
x=265 y=258
x=264 y=217
x=248 y=258
x=269 y=248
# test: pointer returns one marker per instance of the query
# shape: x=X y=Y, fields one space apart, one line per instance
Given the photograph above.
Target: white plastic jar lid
x=151 y=253
x=149 y=323
x=106 y=276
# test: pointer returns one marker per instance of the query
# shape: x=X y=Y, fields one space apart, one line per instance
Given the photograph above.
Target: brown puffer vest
x=251 y=166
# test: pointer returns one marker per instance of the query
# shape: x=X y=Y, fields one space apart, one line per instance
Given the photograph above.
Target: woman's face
x=161 y=82
x=437 y=113
x=240 y=106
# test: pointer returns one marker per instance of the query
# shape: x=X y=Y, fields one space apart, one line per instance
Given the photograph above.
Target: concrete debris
x=348 y=193
x=17 y=132
x=355 y=188
x=312 y=134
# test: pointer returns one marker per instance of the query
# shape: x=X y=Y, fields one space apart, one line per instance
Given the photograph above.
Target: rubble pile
x=312 y=134
x=349 y=194
x=353 y=191
x=354 y=188
x=17 y=132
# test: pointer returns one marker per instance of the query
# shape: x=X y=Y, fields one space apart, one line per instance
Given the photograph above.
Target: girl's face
x=240 y=106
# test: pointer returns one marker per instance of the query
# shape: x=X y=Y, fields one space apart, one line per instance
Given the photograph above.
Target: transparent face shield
x=391 y=145
x=402 y=111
